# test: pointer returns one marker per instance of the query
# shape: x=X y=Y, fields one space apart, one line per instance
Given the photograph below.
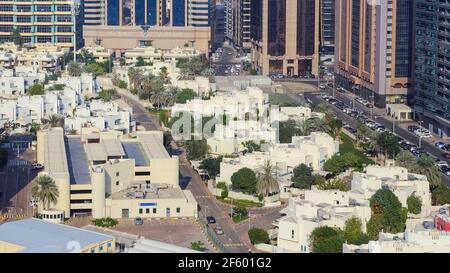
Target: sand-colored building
x=100 y=175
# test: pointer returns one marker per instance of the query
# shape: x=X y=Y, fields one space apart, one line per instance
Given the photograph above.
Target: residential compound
x=432 y=58
x=107 y=174
x=415 y=241
x=125 y=24
x=62 y=97
x=42 y=21
x=285 y=37
x=333 y=208
x=374 y=45
x=312 y=150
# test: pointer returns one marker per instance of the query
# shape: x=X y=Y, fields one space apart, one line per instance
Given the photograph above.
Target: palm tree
x=164 y=75
x=55 y=120
x=34 y=127
x=134 y=77
x=72 y=132
x=266 y=183
x=406 y=160
x=305 y=127
x=425 y=166
x=45 y=191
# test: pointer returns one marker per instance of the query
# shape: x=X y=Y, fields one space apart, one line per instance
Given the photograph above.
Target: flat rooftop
x=152 y=144
x=55 y=153
x=38 y=236
x=135 y=150
x=158 y=192
x=77 y=161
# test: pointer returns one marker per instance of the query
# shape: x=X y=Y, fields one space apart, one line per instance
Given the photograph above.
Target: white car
x=37 y=166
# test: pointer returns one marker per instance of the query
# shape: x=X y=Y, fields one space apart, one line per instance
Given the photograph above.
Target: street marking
x=232 y=245
x=17 y=162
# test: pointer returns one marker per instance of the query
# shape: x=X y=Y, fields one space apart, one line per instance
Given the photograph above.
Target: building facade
x=432 y=69
x=327 y=13
x=374 y=49
x=285 y=37
x=238 y=23
x=43 y=21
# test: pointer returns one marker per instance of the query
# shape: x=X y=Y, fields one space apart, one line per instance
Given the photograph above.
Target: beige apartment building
x=285 y=37
x=105 y=175
x=374 y=48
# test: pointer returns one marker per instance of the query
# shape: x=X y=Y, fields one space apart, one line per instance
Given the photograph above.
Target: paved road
x=15 y=182
x=386 y=122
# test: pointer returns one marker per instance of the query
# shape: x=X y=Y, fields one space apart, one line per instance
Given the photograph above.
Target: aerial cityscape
x=225 y=126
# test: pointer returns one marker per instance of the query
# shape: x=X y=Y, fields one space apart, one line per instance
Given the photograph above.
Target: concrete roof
x=399 y=107
x=95 y=151
x=152 y=144
x=55 y=160
x=113 y=147
x=38 y=236
x=152 y=246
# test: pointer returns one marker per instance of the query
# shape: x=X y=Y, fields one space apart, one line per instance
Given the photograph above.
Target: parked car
x=218 y=230
x=439 y=144
x=138 y=221
x=37 y=166
x=446 y=155
x=211 y=219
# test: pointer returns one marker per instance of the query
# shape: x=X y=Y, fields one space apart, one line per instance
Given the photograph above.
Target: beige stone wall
x=128 y=37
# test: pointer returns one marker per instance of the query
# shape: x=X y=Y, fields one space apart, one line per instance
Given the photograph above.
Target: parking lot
x=179 y=232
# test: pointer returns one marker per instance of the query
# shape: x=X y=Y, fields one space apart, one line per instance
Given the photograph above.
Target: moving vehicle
x=211 y=219
x=138 y=221
x=218 y=230
x=37 y=166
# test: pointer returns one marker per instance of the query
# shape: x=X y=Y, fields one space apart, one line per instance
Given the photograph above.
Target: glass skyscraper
x=432 y=65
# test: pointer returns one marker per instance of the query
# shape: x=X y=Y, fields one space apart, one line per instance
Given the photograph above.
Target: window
x=140 y=211
x=292 y=234
x=117 y=183
x=109 y=245
x=117 y=173
x=154 y=210
x=101 y=248
x=92 y=250
x=147 y=211
x=178 y=210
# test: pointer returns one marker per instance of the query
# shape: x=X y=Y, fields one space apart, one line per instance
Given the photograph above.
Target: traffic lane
x=405 y=134
x=210 y=208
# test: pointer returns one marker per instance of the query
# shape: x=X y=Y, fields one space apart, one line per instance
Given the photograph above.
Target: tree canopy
x=258 y=236
x=211 y=165
x=244 y=180
x=414 y=204
x=185 y=95
x=303 y=177
x=196 y=149
x=326 y=240
x=36 y=89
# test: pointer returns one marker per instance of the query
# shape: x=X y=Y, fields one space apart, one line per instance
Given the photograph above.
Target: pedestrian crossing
x=17 y=162
x=234 y=245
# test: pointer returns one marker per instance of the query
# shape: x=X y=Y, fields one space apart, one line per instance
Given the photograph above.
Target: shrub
x=258 y=236
x=105 y=222
x=414 y=204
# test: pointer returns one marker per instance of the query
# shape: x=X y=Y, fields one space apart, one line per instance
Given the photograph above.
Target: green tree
x=441 y=195
x=387 y=145
x=72 y=132
x=185 y=95
x=385 y=203
x=414 y=204
x=406 y=160
x=361 y=130
x=267 y=184
x=36 y=89
x=426 y=166
x=211 y=165
x=196 y=149
x=303 y=177
x=251 y=146
x=258 y=236
x=326 y=240
x=16 y=37
x=339 y=163
x=45 y=191
x=244 y=180
x=74 y=69
x=335 y=184
x=107 y=94
x=353 y=232
x=374 y=226
x=55 y=120
x=198 y=245
x=140 y=61
x=287 y=129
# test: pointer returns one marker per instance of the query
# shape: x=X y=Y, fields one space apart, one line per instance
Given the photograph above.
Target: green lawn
x=282 y=100
x=348 y=145
x=240 y=203
x=161 y=113
x=238 y=219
